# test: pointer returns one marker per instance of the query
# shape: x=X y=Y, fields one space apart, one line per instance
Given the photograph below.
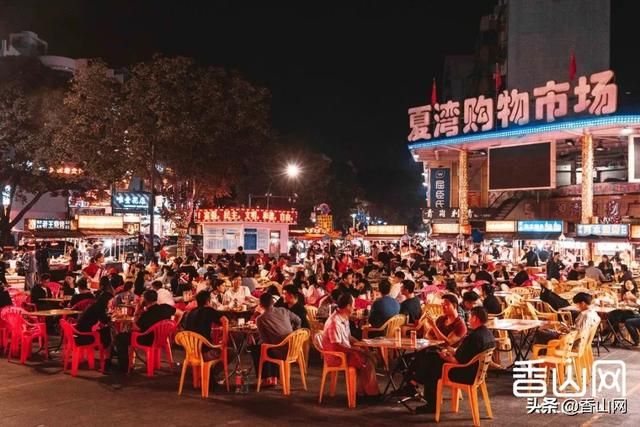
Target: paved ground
x=39 y=394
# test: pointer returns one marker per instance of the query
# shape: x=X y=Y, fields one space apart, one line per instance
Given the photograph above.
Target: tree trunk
x=181 y=250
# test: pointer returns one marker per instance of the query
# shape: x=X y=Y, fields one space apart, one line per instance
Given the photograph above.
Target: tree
x=204 y=125
x=31 y=113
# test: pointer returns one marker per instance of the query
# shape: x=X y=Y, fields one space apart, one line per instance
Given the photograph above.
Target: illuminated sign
x=445 y=228
x=246 y=215
x=595 y=95
x=130 y=201
x=635 y=232
x=387 y=230
x=439 y=188
x=607 y=230
x=501 y=227
x=541 y=226
x=324 y=222
x=96 y=222
x=49 y=224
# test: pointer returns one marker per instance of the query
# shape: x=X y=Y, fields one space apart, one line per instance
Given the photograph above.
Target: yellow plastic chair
x=295 y=354
x=483 y=360
x=583 y=358
x=433 y=310
x=193 y=343
x=525 y=292
x=350 y=373
x=558 y=354
x=561 y=316
x=388 y=328
x=312 y=312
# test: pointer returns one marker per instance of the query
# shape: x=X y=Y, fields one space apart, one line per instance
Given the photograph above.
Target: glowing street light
x=292 y=170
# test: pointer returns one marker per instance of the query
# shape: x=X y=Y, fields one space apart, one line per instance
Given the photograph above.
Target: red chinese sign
x=246 y=215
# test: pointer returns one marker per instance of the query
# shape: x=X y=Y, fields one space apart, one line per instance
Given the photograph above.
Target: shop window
x=250 y=239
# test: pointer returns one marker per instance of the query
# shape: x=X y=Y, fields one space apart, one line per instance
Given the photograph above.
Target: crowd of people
x=198 y=294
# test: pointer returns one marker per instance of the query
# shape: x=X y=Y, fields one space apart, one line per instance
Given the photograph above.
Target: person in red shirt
x=329 y=284
x=94 y=270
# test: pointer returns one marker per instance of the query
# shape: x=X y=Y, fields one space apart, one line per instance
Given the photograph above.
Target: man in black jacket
x=554 y=267
x=531 y=257
x=427 y=368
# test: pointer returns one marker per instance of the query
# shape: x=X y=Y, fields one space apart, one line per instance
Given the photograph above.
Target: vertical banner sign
x=439 y=188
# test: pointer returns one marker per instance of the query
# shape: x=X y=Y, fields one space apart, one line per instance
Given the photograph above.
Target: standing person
x=336 y=336
x=448 y=257
x=73 y=258
x=531 y=257
x=274 y=324
x=42 y=257
x=94 y=270
x=554 y=267
x=30 y=265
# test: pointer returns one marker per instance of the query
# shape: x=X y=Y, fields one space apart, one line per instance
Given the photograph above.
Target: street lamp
x=292 y=170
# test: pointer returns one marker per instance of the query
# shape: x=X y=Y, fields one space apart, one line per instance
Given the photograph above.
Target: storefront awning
x=537 y=236
x=97 y=234
x=53 y=234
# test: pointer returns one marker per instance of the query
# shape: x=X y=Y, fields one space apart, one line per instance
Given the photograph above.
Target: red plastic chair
x=161 y=331
x=55 y=288
x=83 y=305
x=4 y=330
x=19 y=299
x=22 y=333
x=80 y=352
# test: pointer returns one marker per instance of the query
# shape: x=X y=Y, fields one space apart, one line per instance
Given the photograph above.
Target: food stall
x=253 y=229
x=109 y=232
x=604 y=239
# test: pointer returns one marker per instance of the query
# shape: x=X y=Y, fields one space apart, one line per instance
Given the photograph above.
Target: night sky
x=342 y=74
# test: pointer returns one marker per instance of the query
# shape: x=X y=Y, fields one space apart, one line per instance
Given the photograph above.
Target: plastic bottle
x=245 y=381
x=238 y=382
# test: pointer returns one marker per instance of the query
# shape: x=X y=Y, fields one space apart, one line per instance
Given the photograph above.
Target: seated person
x=522 y=276
x=5 y=298
x=631 y=321
x=385 y=307
x=164 y=295
x=490 y=302
x=574 y=274
x=94 y=314
x=69 y=284
x=554 y=300
x=83 y=292
x=410 y=307
x=449 y=327
x=126 y=296
x=148 y=313
x=585 y=320
x=501 y=273
x=39 y=291
x=470 y=299
x=484 y=275
x=472 y=277
x=218 y=297
x=239 y=294
x=115 y=278
x=336 y=336
x=427 y=367
x=201 y=320
x=293 y=300
x=274 y=324
x=328 y=304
